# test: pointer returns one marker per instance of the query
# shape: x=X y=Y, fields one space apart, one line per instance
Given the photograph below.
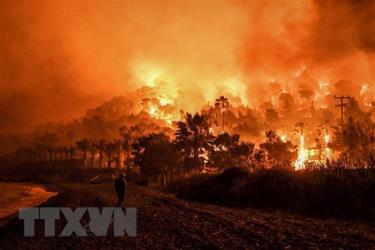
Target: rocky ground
x=166 y=222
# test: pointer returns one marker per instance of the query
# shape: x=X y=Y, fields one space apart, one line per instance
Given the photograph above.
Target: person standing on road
x=120 y=187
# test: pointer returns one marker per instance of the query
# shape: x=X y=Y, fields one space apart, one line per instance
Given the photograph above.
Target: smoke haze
x=60 y=58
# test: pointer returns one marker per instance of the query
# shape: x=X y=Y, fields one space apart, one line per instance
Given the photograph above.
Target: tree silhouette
x=127 y=135
x=93 y=149
x=229 y=151
x=110 y=149
x=183 y=142
x=84 y=145
x=72 y=152
x=118 y=150
x=193 y=138
x=155 y=154
x=46 y=143
x=101 y=146
x=278 y=152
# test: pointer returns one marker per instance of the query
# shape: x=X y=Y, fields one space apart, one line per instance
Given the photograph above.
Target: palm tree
x=84 y=145
x=93 y=151
x=128 y=136
x=101 y=146
x=222 y=104
x=110 y=149
x=65 y=152
x=59 y=152
x=118 y=150
x=72 y=152
x=46 y=144
x=200 y=139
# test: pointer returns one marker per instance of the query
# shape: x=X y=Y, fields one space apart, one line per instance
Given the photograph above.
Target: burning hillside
x=279 y=64
x=237 y=103
x=57 y=64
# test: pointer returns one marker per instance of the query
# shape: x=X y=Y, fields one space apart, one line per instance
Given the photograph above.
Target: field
x=167 y=222
x=20 y=195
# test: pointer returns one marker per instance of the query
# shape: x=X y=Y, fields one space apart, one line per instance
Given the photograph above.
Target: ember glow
x=266 y=104
x=61 y=58
x=283 y=138
x=326 y=148
x=302 y=153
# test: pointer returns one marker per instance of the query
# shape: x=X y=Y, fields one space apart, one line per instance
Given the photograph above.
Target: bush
x=224 y=188
x=270 y=188
x=323 y=192
x=348 y=195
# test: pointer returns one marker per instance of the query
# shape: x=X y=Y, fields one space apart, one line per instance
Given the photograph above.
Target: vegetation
x=203 y=159
x=156 y=155
x=321 y=192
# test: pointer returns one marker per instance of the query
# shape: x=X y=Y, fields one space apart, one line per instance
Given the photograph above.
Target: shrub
x=271 y=188
x=323 y=192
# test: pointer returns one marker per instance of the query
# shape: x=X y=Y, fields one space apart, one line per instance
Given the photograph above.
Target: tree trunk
x=101 y=159
x=92 y=160
x=109 y=161
x=196 y=158
x=85 y=159
x=48 y=155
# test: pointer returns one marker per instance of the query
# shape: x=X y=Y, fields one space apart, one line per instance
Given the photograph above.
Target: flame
x=159 y=114
x=326 y=139
x=283 y=138
x=367 y=94
x=153 y=111
x=326 y=149
x=164 y=100
x=302 y=153
x=166 y=92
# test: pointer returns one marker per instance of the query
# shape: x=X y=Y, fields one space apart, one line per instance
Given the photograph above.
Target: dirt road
x=166 y=222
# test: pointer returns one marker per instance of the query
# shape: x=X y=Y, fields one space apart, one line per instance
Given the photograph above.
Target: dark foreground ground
x=166 y=222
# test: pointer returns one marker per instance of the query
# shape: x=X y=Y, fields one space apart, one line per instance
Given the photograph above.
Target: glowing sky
x=59 y=58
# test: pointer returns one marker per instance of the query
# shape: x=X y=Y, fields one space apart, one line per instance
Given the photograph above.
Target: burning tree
x=355 y=139
x=110 y=149
x=193 y=138
x=229 y=151
x=279 y=153
x=46 y=143
x=183 y=143
x=101 y=145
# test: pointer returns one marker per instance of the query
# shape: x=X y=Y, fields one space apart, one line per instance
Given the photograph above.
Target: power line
x=341 y=105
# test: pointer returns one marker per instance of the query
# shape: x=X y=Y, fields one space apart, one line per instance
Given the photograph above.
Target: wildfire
x=161 y=104
x=326 y=149
x=159 y=114
x=302 y=153
x=283 y=138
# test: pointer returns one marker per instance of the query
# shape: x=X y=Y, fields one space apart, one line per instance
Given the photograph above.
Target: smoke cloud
x=60 y=58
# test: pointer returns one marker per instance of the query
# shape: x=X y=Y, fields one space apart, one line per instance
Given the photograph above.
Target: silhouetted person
x=120 y=186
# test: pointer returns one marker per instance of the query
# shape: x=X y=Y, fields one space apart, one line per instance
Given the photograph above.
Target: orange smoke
x=59 y=58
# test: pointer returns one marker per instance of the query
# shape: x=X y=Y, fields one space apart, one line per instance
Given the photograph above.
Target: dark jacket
x=120 y=186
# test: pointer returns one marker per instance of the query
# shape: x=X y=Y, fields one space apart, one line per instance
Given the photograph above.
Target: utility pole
x=341 y=106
